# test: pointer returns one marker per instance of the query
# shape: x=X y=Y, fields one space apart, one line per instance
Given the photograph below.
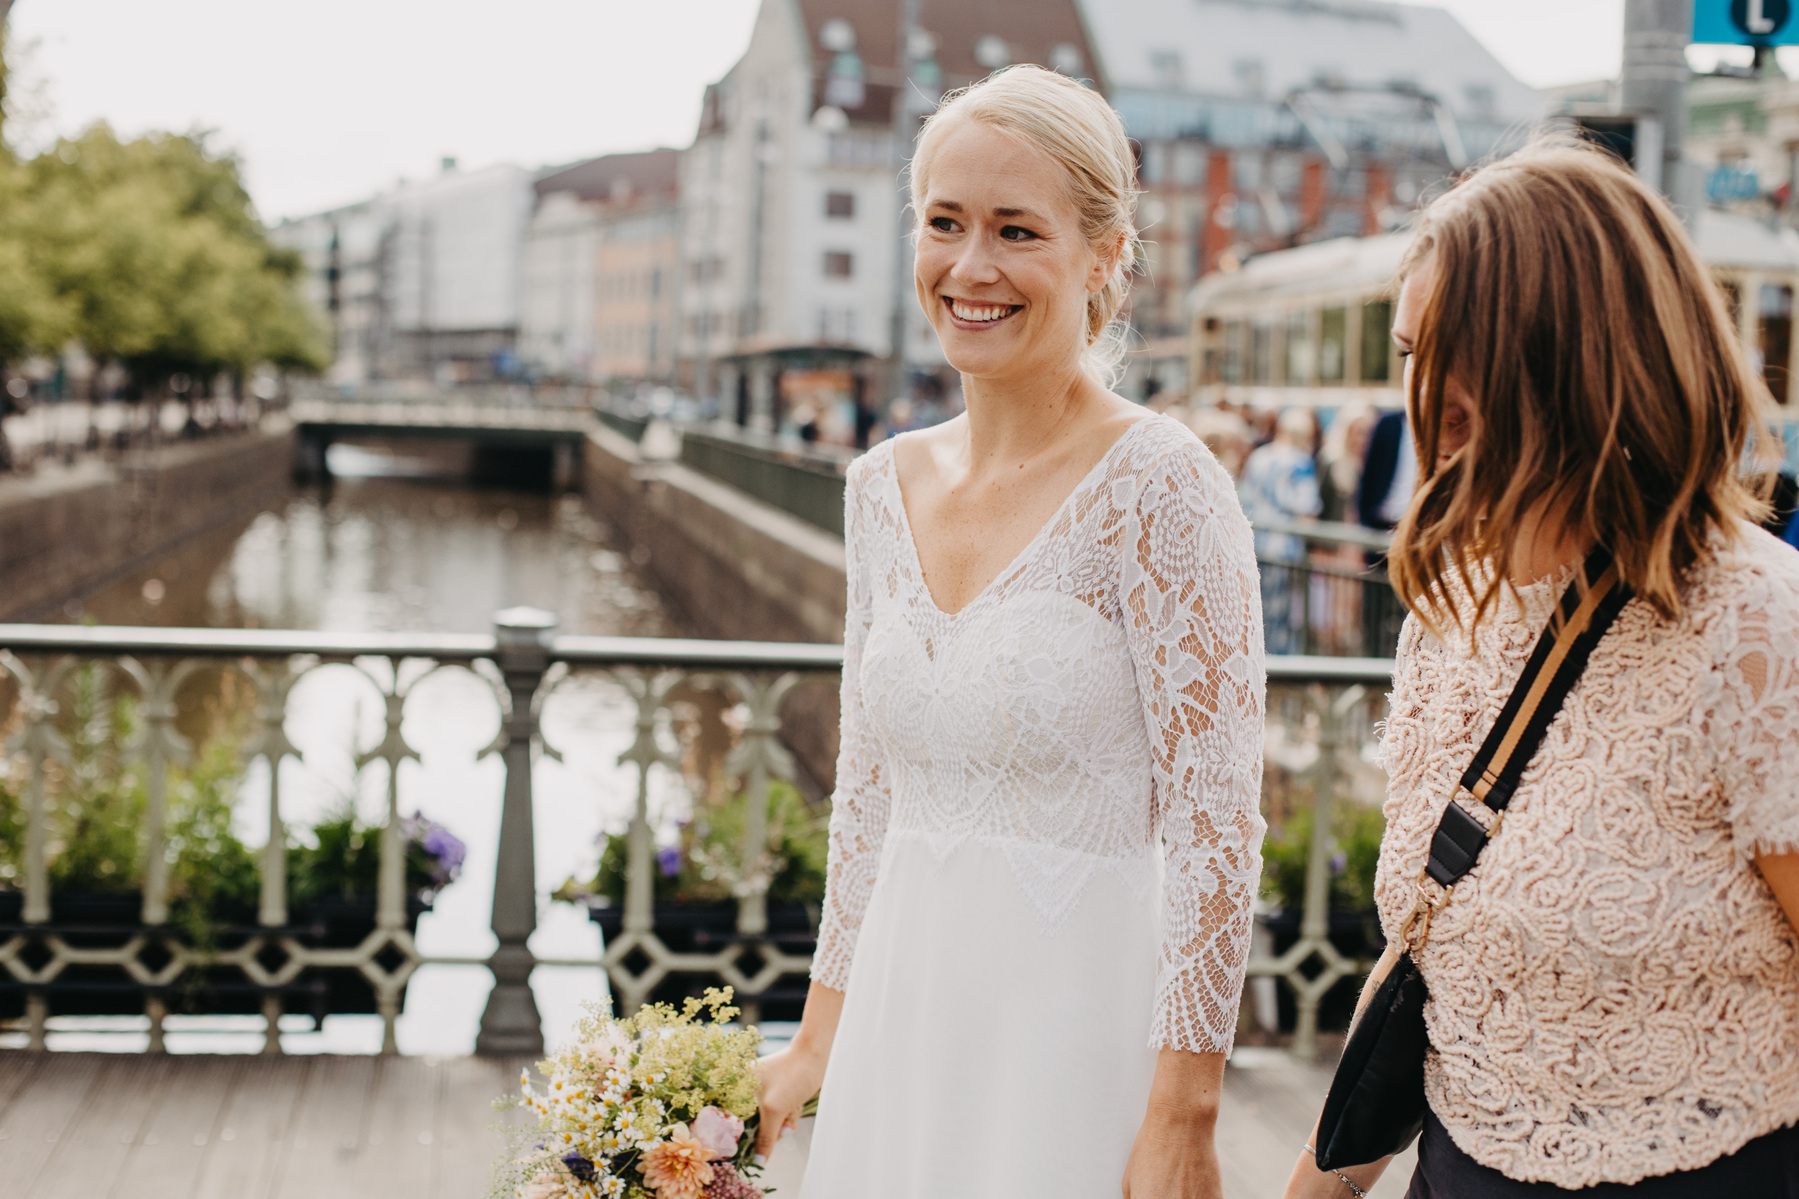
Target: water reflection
x=391 y=554
x=395 y=547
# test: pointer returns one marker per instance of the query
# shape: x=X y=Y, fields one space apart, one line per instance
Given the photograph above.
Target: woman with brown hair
x=1613 y=986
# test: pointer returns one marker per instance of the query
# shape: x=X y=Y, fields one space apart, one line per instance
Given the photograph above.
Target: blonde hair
x=1076 y=127
x=1607 y=377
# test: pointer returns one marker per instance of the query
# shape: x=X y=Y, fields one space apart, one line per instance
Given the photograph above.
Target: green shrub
x=96 y=802
x=1355 y=851
x=700 y=864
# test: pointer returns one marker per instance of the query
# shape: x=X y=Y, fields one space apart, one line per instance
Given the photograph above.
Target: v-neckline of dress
x=1030 y=546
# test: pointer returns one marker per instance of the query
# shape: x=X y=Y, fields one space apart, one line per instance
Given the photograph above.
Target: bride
x=1045 y=839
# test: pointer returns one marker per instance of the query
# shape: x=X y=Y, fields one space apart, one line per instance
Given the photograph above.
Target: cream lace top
x=1099 y=703
x=1614 y=991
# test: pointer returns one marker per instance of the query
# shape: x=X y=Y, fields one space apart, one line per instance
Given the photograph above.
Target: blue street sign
x=1731 y=182
x=1746 y=22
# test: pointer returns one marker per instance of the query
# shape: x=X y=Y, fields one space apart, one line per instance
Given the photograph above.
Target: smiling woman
x=1013 y=112
x=1044 y=841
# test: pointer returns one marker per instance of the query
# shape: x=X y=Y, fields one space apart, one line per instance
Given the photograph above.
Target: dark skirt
x=1766 y=1168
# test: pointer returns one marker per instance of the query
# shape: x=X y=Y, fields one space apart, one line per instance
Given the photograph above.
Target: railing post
x=1314 y=925
x=38 y=739
x=511 y=1025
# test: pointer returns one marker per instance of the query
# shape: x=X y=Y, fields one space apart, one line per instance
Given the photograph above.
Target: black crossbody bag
x=1376 y=1103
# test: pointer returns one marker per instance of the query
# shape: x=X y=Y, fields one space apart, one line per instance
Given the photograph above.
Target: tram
x=1312 y=326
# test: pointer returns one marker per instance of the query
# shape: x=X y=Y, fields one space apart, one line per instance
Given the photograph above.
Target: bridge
x=215 y=1084
x=500 y=422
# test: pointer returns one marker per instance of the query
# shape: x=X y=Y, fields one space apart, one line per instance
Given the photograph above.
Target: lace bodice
x=1614 y=991
x=1104 y=694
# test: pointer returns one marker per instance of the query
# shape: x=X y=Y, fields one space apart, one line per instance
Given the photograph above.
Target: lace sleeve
x=1755 y=723
x=1193 y=615
x=860 y=802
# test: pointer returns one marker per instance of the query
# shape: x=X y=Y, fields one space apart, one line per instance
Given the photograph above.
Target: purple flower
x=445 y=849
x=579 y=1166
x=669 y=859
x=1339 y=862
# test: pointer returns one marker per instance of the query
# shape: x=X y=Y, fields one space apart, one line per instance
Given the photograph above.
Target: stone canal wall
x=734 y=566
x=64 y=533
x=731 y=566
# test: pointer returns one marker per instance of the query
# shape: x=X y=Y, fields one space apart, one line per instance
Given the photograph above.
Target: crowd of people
x=1322 y=592
x=1354 y=465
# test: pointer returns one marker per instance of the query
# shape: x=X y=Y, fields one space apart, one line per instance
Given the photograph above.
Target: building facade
x=600 y=271
x=421 y=283
x=793 y=262
x=1266 y=124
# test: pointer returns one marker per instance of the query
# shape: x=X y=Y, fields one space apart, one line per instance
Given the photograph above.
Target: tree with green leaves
x=154 y=246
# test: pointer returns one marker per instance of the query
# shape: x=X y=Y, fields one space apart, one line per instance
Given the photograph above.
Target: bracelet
x=1349 y=1182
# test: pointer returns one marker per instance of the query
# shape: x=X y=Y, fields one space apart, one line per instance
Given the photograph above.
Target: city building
x=1266 y=124
x=600 y=267
x=1742 y=155
x=422 y=282
x=793 y=264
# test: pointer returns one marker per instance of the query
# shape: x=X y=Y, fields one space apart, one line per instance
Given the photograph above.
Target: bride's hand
x=1173 y=1158
x=789 y=1078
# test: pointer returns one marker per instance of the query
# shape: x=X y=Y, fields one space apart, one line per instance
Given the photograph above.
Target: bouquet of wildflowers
x=661 y=1105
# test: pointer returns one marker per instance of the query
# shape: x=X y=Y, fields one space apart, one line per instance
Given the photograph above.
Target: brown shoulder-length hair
x=1609 y=385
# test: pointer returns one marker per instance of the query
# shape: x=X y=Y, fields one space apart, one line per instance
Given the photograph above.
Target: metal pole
x=1653 y=88
x=511 y=1026
x=905 y=125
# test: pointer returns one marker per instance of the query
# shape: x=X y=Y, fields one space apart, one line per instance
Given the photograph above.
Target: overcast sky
x=329 y=100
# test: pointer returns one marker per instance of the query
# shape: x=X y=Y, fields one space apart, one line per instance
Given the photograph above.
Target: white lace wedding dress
x=1046 y=837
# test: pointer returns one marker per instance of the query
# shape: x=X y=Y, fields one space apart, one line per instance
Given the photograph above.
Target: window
x=1190 y=164
x=1168 y=68
x=839 y=264
x=1233 y=352
x=1155 y=163
x=1377 y=340
x=1776 y=337
x=1333 y=327
x=836 y=326
x=1301 y=356
x=840 y=204
x=1261 y=351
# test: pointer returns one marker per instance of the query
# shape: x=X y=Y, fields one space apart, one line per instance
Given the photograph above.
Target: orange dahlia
x=677 y=1168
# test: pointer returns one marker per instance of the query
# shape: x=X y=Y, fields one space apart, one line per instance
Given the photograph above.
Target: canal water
x=399 y=543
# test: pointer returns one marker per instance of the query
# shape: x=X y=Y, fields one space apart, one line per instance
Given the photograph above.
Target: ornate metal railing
x=1320 y=706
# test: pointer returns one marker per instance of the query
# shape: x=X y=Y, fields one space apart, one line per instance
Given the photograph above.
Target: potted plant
x=1354 y=926
x=96 y=817
x=697 y=878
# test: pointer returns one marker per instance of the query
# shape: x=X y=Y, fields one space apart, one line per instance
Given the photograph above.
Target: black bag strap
x=1580 y=620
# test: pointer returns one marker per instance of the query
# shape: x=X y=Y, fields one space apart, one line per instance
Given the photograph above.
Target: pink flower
x=677 y=1168
x=719 y=1131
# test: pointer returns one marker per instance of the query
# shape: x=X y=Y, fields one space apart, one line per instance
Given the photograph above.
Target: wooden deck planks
x=330 y=1130
x=88 y=1159
x=182 y=1128
x=400 y=1144
x=247 y=1155
x=15 y=1074
x=1270 y=1104
x=42 y=1113
x=465 y=1137
x=215 y=1127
